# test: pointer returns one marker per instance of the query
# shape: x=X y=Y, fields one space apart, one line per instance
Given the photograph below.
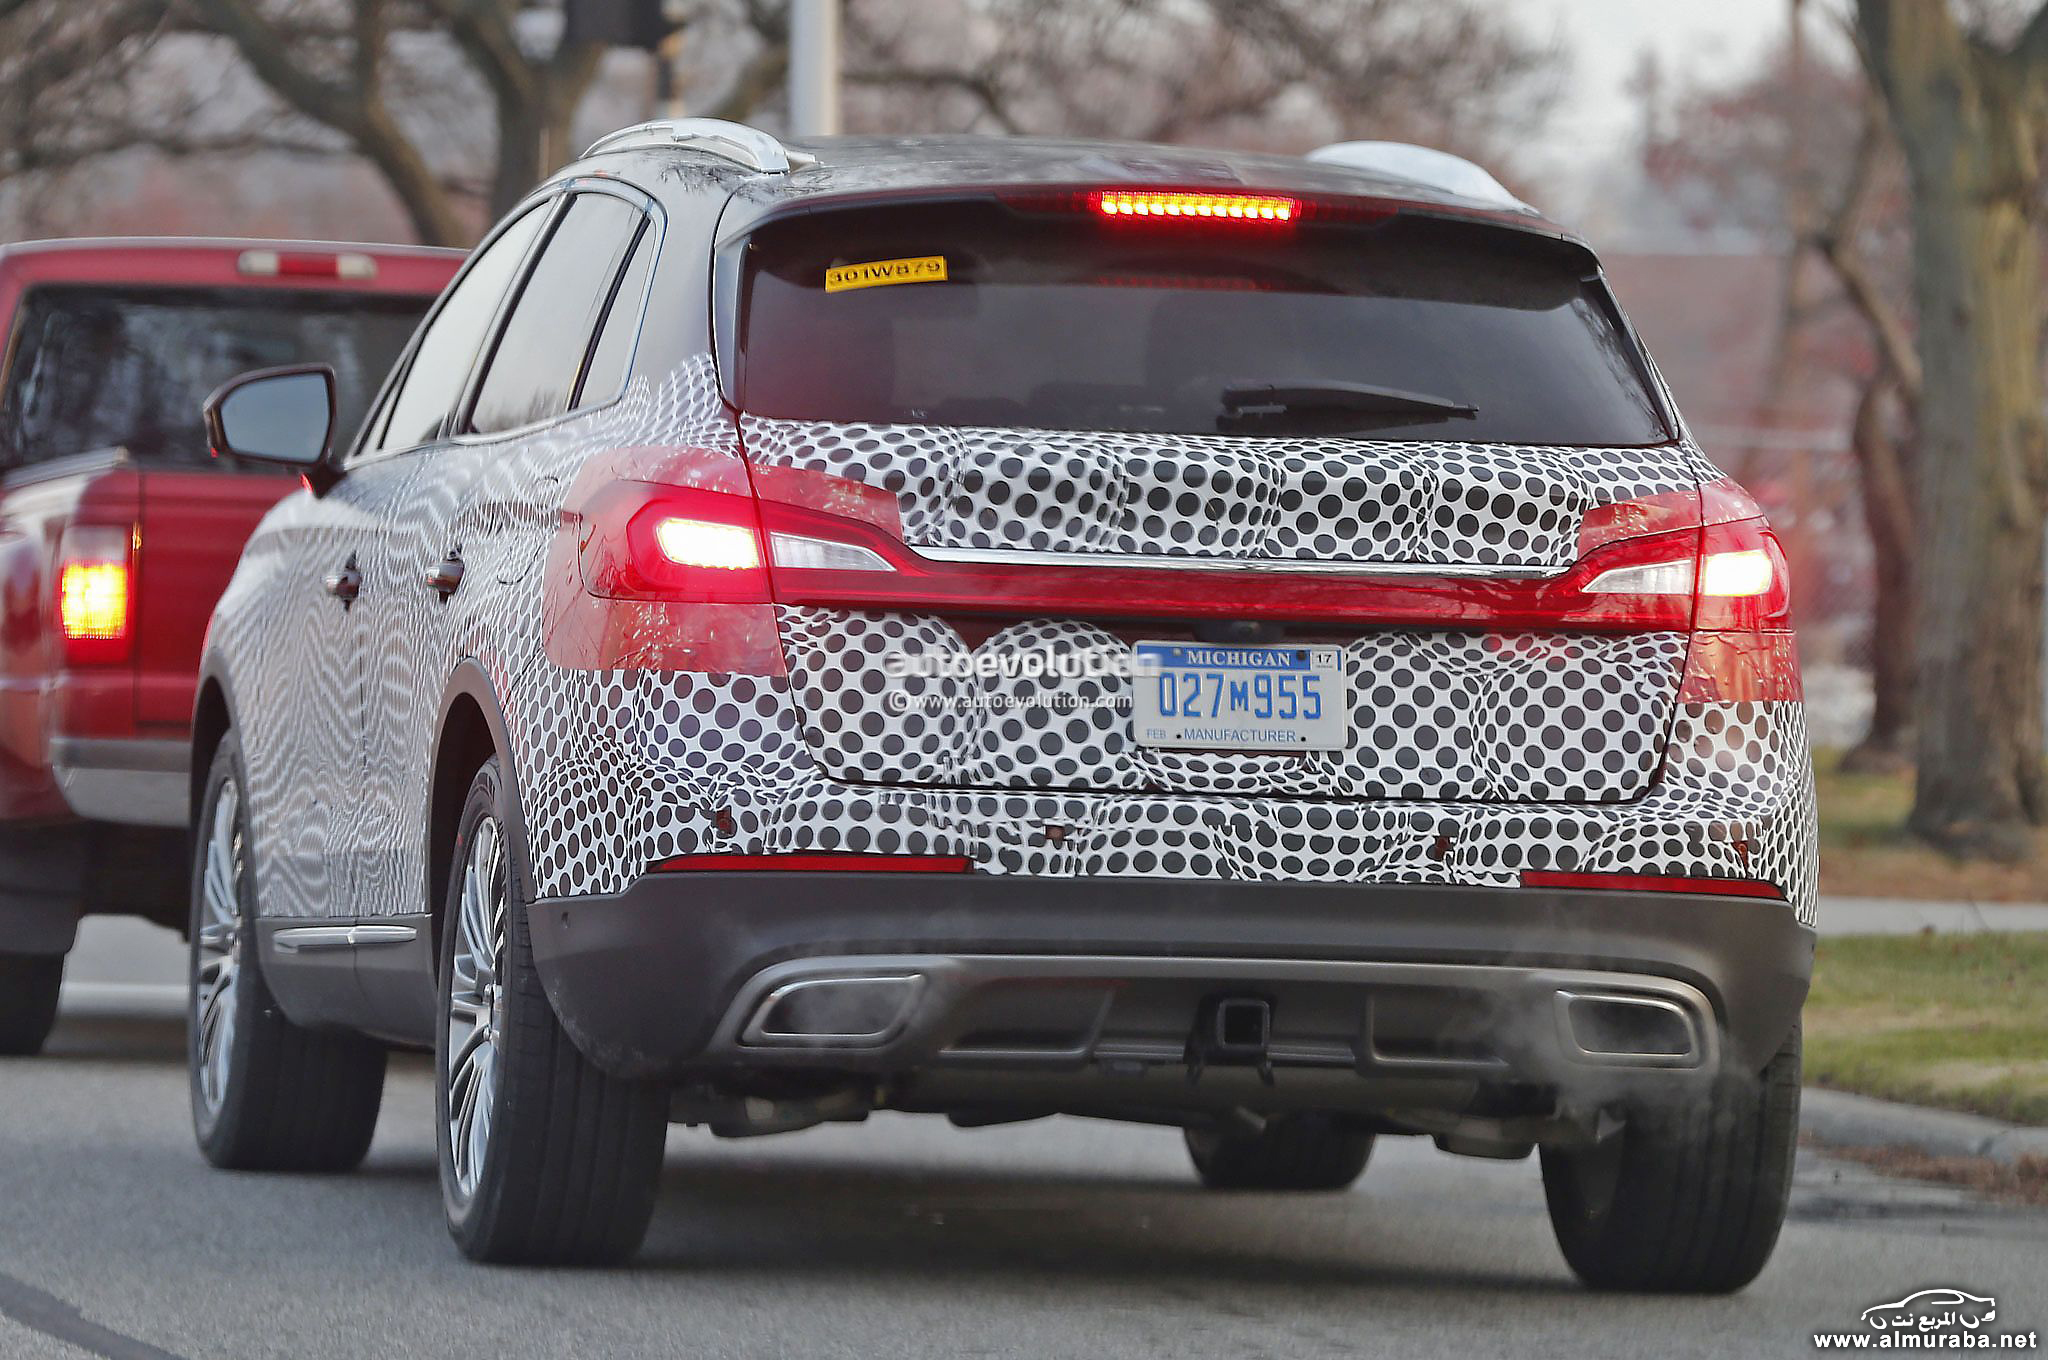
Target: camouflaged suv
x=1006 y=628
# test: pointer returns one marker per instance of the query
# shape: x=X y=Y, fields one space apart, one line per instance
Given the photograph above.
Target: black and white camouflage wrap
x=1474 y=755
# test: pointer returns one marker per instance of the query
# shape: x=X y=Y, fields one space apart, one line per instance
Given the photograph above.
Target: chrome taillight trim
x=1272 y=565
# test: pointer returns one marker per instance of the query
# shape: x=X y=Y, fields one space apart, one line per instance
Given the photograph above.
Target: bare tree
x=1885 y=461
x=333 y=64
x=1968 y=112
x=1800 y=152
x=1274 y=74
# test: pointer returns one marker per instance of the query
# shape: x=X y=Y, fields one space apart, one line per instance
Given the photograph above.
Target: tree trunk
x=534 y=118
x=1885 y=479
x=1963 y=115
x=518 y=168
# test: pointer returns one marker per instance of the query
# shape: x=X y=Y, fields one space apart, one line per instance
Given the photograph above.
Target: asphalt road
x=899 y=1237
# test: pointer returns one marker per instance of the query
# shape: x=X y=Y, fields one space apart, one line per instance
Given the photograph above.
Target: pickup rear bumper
x=701 y=972
x=138 y=781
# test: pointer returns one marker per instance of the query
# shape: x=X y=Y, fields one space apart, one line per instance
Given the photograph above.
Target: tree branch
x=268 y=53
x=977 y=84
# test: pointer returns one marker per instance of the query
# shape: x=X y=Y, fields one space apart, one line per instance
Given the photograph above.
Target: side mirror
x=281 y=416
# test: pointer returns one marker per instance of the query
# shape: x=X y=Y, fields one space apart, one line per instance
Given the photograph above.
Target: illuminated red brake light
x=636 y=540
x=306 y=264
x=1172 y=204
x=95 y=592
x=811 y=539
x=1744 y=583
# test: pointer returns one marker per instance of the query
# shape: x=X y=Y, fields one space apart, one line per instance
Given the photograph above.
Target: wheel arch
x=471 y=729
x=212 y=718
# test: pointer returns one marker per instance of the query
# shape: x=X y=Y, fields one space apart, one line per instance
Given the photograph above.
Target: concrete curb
x=122 y=1000
x=1911 y=916
x=1840 y=1119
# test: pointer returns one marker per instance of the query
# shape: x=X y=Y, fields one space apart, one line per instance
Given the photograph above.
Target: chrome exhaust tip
x=1623 y=1029
x=863 y=1011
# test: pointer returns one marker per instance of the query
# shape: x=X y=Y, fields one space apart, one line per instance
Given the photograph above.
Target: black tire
x=1293 y=1152
x=272 y=1096
x=1683 y=1200
x=28 y=1001
x=571 y=1157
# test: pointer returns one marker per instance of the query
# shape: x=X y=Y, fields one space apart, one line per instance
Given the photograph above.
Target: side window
x=605 y=374
x=534 y=368
x=441 y=363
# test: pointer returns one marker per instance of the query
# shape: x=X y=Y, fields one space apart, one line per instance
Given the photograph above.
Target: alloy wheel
x=476 y=1004
x=220 y=933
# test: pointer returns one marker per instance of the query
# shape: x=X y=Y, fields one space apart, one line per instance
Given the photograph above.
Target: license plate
x=1194 y=696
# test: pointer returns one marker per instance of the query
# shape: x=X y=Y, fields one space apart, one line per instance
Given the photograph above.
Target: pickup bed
x=118 y=532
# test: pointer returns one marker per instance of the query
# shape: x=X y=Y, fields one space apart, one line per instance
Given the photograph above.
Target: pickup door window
x=97 y=366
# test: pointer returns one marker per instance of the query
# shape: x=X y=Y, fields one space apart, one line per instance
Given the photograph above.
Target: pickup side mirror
x=281 y=416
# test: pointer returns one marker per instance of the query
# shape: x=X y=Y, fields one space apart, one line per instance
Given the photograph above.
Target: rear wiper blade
x=1261 y=400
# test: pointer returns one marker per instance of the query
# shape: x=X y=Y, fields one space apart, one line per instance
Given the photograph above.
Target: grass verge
x=1865 y=851
x=1959 y=1021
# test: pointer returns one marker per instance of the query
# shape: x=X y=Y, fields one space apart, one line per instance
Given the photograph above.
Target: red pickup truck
x=118 y=532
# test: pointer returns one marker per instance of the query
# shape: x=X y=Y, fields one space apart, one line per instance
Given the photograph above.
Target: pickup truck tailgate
x=194 y=524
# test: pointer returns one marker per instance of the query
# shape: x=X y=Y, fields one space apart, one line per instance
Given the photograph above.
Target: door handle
x=445 y=577
x=346 y=584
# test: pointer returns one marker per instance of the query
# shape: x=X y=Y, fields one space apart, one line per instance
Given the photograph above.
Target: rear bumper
x=136 y=781
x=675 y=976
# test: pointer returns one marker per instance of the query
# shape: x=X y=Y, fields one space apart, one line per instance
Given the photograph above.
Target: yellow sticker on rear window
x=880 y=273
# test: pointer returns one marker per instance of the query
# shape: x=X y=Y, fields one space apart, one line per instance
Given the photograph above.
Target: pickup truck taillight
x=96 y=593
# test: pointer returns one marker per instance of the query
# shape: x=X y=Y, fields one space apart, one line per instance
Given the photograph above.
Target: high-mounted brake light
x=306 y=264
x=1160 y=204
x=95 y=592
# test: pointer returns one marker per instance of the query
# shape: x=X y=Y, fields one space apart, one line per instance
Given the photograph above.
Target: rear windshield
x=977 y=314
x=95 y=366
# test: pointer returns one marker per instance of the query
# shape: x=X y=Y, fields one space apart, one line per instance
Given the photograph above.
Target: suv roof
x=861 y=167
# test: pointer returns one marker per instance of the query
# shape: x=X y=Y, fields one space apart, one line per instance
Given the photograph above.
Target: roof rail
x=1421 y=164
x=735 y=142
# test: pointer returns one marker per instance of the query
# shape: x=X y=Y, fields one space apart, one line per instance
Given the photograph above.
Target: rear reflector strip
x=1720 y=887
x=817 y=863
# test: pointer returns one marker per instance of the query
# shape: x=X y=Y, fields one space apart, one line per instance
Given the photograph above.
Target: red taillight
x=1733 y=574
x=1735 y=571
x=95 y=592
x=1180 y=205
x=1743 y=580
x=1727 y=887
x=640 y=541
x=806 y=538
x=827 y=560
x=819 y=862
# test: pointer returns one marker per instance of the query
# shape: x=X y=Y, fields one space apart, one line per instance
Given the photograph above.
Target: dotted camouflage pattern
x=1475 y=755
x=1231 y=496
